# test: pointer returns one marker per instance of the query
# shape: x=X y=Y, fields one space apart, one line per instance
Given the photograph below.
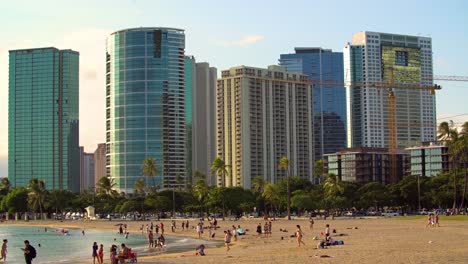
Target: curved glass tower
x=145 y=105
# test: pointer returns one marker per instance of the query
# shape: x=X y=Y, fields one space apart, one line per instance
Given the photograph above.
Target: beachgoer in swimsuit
x=327 y=232
x=113 y=254
x=150 y=239
x=299 y=235
x=437 y=220
x=4 y=250
x=123 y=254
x=311 y=221
x=101 y=254
x=227 y=239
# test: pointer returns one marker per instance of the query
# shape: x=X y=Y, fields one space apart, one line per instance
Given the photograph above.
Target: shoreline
x=376 y=240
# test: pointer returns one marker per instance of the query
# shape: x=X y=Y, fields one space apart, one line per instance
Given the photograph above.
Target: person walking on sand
x=259 y=230
x=429 y=221
x=4 y=250
x=227 y=239
x=299 y=235
x=101 y=254
x=436 y=220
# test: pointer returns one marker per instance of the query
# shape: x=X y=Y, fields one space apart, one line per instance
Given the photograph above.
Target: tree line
x=290 y=194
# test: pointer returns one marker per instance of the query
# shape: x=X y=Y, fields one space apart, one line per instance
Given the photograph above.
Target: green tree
x=319 y=169
x=16 y=201
x=4 y=186
x=36 y=195
x=448 y=134
x=271 y=195
x=220 y=168
x=150 y=169
x=59 y=200
x=140 y=186
x=284 y=165
x=105 y=186
x=373 y=194
x=258 y=184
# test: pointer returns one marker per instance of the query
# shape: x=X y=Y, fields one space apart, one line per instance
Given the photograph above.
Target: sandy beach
x=376 y=240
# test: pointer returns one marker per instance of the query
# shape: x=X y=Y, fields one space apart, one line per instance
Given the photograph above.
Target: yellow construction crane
x=389 y=86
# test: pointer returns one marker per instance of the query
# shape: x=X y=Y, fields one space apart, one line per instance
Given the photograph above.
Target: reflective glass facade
x=145 y=105
x=43 y=118
x=329 y=103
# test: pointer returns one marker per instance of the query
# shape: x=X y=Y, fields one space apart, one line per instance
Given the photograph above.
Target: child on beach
x=299 y=235
x=4 y=250
x=113 y=254
x=227 y=239
x=101 y=254
x=327 y=232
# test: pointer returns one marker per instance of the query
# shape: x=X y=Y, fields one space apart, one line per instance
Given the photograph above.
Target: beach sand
x=376 y=240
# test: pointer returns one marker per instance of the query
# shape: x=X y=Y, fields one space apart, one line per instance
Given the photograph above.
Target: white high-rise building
x=261 y=116
x=374 y=57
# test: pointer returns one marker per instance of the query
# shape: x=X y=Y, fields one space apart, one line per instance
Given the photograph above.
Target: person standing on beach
x=123 y=254
x=327 y=232
x=4 y=250
x=29 y=252
x=265 y=229
x=227 y=239
x=101 y=254
x=113 y=254
x=162 y=228
x=95 y=254
x=183 y=225
x=234 y=233
x=173 y=226
x=259 y=230
x=150 y=239
x=311 y=221
x=299 y=236
x=199 y=230
x=437 y=220
x=269 y=228
x=187 y=225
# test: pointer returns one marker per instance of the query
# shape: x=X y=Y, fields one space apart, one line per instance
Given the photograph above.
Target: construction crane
x=390 y=87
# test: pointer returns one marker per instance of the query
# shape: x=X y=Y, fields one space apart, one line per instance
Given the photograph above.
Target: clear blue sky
x=225 y=34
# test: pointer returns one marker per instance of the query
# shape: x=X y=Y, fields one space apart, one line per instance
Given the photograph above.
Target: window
x=401 y=58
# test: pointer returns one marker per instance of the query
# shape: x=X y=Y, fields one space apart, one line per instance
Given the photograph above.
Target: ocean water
x=56 y=247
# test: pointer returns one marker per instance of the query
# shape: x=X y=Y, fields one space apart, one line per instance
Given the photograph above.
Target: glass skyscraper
x=145 y=105
x=326 y=68
x=43 y=126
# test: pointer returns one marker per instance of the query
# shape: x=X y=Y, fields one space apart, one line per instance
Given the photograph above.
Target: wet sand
x=376 y=240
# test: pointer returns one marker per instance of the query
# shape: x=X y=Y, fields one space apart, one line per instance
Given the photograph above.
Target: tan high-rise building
x=261 y=116
x=100 y=162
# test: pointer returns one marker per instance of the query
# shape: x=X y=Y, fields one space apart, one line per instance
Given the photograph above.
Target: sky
x=227 y=34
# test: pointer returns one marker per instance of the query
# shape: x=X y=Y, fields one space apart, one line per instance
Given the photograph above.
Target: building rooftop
x=147 y=29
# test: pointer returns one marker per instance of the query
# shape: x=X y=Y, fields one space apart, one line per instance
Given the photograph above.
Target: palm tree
x=270 y=194
x=5 y=186
x=219 y=167
x=150 y=169
x=179 y=180
x=36 y=194
x=449 y=135
x=200 y=189
x=461 y=149
x=332 y=186
x=140 y=186
x=106 y=185
x=258 y=184
x=284 y=165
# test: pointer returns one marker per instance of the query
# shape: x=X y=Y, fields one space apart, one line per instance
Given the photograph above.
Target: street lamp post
x=419 y=195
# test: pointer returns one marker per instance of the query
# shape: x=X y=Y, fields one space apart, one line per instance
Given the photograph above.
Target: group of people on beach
x=116 y=256
x=29 y=251
x=432 y=220
x=266 y=229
